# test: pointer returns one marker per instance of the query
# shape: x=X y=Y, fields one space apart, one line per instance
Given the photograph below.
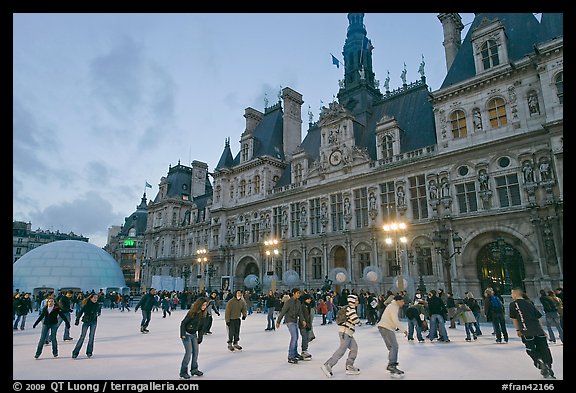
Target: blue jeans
x=477 y=324
x=413 y=324
x=293 y=346
x=66 y=329
x=191 y=353
x=346 y=342
x=44 y=335
x=90 y=346
x=146 y=315
x=553 y=319
x=437 y=321
x=18 y=319
x=499 y=325
x=270 y=319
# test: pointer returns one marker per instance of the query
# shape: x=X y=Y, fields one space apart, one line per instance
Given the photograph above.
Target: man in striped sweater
x=346 y=334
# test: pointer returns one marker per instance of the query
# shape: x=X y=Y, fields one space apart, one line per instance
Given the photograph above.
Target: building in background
x=24 y=239
x=126 y=245
x=475 y=170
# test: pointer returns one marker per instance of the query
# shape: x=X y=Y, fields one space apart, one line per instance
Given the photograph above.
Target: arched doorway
x=500 y=266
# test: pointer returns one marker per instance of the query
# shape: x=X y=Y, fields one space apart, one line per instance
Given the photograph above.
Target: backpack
x=341 y=316
x=495 y=304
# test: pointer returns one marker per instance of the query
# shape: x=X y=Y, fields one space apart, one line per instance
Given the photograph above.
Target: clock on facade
x=335 y=157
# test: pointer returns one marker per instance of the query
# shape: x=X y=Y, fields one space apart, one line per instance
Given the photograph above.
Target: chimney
x=253 y=118
x=452 y=25
x=199 y=171
x=292 y=121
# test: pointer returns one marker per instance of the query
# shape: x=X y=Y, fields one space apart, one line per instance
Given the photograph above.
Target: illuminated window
x=458 y=122
x=497 y=112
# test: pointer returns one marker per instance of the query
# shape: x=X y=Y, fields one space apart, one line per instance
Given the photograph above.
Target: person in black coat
x=89 y=313
x=49 y=315
x=192 y=329
x=146 y=303
x=23 y=306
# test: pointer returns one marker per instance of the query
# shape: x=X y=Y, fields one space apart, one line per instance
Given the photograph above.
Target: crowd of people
x=423 y=315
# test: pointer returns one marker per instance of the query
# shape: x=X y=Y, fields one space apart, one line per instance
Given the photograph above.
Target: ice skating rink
x=121 y=352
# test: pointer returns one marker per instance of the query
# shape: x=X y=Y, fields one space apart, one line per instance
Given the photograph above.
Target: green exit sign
x=129 y=243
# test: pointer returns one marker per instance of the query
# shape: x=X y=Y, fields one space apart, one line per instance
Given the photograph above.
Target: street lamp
x=420 y=262
x=270 y=250
x=441 y=240
x=210 y=270
x=395 y=236
x=202 y=259
x=186 y=274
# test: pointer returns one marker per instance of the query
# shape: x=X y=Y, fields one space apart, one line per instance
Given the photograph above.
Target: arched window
x=559 y=81
x=497 y=112
x=489 y=52
x=458 y=122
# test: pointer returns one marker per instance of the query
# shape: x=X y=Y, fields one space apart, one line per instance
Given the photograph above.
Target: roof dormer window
x=489 y=53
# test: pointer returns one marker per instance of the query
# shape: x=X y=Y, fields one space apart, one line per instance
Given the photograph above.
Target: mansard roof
x=410 y=107
x=136 y=220
x=268 y=135
x=521 y=31
x=551 y=26
x=179 y=179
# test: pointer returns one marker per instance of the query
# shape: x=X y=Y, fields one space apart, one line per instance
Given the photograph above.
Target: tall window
x=244 y=152
x=364 y=262
x=277 y=222
x=388 y=201
x=559 y=81
x=489 y=52
x=387 y=146
x=255 y=233
x=361 y=207
x=242 y=188
x=336 y=212
x=497 y=112
x=466 y=197
x=393 y=262
x=240 y=232
x=458 y=122
x=298 y=173
x=315 y=216
x=508 y=190
x=426 y=262
x=297 y=267
x=316 y=268
x=418 y=197
x=257 y=184
x=295 y=219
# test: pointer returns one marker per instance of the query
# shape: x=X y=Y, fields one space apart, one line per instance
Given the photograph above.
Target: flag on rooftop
x=335 y=61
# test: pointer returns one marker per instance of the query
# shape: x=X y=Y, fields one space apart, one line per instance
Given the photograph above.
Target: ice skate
x=395 y=372
x=327 y=370
x=351 y=370
x=231 y=347
x=306 y=356
x=238 y=347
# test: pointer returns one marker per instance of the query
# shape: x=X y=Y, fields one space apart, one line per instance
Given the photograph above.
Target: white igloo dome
x=67 y=264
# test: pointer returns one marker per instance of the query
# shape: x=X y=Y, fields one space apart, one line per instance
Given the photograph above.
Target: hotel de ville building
x=459 y=188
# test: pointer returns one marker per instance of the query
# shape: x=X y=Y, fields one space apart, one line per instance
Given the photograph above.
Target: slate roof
x=521 y=30
x=136 y=220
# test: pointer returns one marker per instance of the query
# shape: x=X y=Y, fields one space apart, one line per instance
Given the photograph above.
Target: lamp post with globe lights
x=395 y=236
x=271 y=249
x=202 y=260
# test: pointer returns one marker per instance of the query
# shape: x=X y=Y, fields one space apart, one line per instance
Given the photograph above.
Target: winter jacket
x=146 y=303
x=193 y=323
x=51 y=317
x=291 y=311
x=89 y=312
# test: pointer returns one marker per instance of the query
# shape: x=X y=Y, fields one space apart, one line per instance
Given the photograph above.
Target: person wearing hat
x=347 y=341
x=387 y=327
